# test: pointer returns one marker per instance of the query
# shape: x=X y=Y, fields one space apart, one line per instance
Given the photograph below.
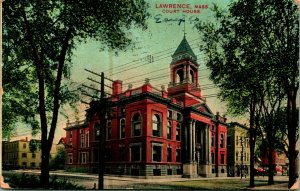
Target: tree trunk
x=45 y=166
x=292 y=126
x=252 y=143
x=270 y=161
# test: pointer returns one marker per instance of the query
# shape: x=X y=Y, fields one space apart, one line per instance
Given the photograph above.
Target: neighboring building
x=238 y=148
x=19 y=155
x=154 y=132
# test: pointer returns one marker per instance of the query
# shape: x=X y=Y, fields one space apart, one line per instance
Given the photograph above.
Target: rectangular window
x=212 y=139
x=137 y=129
x=222 y=159
x=24 y=155
x=107 y=155
x=122 y=128
x=96 y=132
x=178 y=155
x=71 y=134
x=179 y=117
x=236 y=156
x=169 y=155
x=135 y=153
x=24 y=145
x=122 y=153
x=237 y=140
x=156 y=153
x=213 y=158
x=178 y=132
x=33 y=155
x=70 y=158
x=169 y=134
x=87 y=139
x=170 y=114
x=32 y=164
x=95 y=155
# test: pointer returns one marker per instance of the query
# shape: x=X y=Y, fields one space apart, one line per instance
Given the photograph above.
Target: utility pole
x=101 y=110
x=102 y=135
x=242 y=157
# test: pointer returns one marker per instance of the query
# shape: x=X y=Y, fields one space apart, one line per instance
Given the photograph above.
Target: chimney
x=117 y=87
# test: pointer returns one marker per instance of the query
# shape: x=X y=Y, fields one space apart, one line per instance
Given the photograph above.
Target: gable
x=203 y=108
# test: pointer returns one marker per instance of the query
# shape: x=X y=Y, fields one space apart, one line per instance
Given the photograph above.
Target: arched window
x=122 y=128
x=156 y=125
x=169 y=135
x=136 y=125
x=192 y=77
x=222 y=141
x=179 y=76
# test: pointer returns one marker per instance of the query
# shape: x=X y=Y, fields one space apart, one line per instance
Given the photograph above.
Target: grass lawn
x=212 y=184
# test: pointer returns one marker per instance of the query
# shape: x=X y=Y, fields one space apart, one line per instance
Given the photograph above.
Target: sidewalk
x=90 y=179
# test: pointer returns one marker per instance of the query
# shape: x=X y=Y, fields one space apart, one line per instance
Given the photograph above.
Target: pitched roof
x=184 y=47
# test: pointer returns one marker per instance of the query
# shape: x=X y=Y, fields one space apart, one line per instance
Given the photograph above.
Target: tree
x=58 y=162
x=39 y=38
x=252 y=37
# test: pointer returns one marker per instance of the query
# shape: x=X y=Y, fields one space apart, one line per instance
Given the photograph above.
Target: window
x=213 y=158
x=222 y=159
x=156 y=153
x=108 y=133
x=24 y=155
x=122 y=112
x=33 y=155
x=169 y=135
x=136 y=125
x=97 y=132
x=192 y=76
x=107 y=154
x=70 y=134
x=122 y=128
x=169 y=155
x=156 y=125
x=237 y=156
x=178 y=155
x=81 y=138
x=70 y=158
x=87 y=139
x=122 y=153
x=170 y=114
x=135 y=153
x=179 y=117
x=212 y=139
x=179 y=76
x=178 y=132
x=222 y=141
x=247 y=156
x=24 y=164
x=237 y=140
x=32 y=164
x=24 y=145
x=95 y=155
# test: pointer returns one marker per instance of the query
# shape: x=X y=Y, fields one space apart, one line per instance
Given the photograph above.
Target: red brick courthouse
x=155 y=132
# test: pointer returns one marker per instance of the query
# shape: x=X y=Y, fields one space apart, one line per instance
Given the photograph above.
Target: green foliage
x=59 y=160
x=45 y=33
x=78 y=169
x=28 y=181
x=34 y=145
x=247 y=48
